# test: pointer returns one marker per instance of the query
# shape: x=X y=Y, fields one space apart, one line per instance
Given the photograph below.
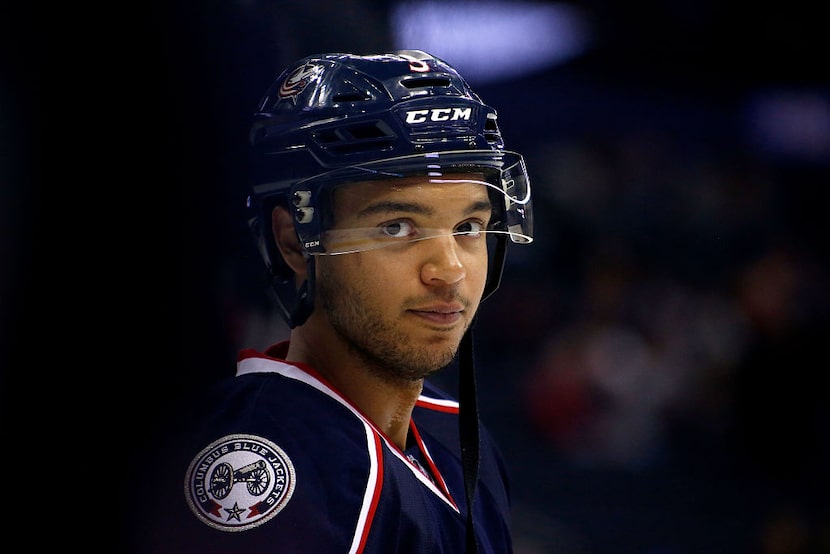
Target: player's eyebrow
x=393 y=206
x=387 y=206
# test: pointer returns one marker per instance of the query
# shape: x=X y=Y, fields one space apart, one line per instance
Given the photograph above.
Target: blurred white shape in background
x=489 y=41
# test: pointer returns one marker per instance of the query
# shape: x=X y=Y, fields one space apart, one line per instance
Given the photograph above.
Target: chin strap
x=468 y=424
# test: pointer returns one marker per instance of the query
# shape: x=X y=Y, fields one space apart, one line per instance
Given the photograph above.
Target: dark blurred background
x=652 y=365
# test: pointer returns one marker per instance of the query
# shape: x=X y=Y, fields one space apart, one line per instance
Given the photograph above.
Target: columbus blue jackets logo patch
x=239 y=482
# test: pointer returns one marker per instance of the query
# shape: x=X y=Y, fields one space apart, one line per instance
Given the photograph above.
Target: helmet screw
x=304 y=215
x=301 y=198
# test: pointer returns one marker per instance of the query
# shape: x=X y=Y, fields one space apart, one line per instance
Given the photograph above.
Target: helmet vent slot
x=368 y=131
x=491 y=131
x=357 y=137
x=424 y=82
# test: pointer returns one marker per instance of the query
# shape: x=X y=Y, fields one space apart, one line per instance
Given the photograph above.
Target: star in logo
x=233 y=513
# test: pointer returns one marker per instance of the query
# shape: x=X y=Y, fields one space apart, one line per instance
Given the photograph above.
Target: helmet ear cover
x=294 y=301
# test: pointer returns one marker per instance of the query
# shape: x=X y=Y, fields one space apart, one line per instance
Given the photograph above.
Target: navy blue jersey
x=284 y=464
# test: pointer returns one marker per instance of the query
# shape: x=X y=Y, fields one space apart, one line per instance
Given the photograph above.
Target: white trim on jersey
x=438 y=402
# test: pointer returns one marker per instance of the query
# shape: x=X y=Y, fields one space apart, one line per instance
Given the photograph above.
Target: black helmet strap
x=295 y=304
x=468 y=428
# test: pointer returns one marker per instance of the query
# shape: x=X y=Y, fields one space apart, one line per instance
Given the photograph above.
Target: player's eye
x=398 y=229
x=470 y=228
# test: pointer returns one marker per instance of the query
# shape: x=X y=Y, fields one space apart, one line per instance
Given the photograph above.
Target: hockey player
x=383 y=201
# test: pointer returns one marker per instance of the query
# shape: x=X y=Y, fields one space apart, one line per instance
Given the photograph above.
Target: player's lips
x=444 y=314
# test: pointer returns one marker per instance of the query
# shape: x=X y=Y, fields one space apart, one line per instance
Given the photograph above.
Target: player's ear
x=285 y=236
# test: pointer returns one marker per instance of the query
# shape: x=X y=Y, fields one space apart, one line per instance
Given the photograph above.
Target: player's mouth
x=440 y=314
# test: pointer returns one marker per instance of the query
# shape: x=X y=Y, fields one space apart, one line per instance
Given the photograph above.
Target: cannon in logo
x=223 y=478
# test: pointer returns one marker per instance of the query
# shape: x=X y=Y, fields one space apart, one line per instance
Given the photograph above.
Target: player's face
x=403 y=308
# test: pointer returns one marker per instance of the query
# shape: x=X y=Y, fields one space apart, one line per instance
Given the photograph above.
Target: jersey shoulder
x=263 y=454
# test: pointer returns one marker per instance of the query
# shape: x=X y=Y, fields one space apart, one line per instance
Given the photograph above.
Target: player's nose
x=442 y=264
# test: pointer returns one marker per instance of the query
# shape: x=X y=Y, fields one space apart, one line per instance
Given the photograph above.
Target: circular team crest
x=239 y=482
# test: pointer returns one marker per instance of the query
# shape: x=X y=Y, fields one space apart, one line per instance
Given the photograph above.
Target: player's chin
x=439 y=358
x=442 y=345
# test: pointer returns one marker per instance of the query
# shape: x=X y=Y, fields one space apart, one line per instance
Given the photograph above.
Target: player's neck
x=388 y=403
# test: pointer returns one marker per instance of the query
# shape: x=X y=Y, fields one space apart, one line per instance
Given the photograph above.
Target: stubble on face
x=355 y=312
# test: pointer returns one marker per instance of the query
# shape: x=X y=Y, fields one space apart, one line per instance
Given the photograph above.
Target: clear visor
x=504 y=211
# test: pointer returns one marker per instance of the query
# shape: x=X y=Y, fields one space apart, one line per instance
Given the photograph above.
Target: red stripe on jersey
x=439 y=479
